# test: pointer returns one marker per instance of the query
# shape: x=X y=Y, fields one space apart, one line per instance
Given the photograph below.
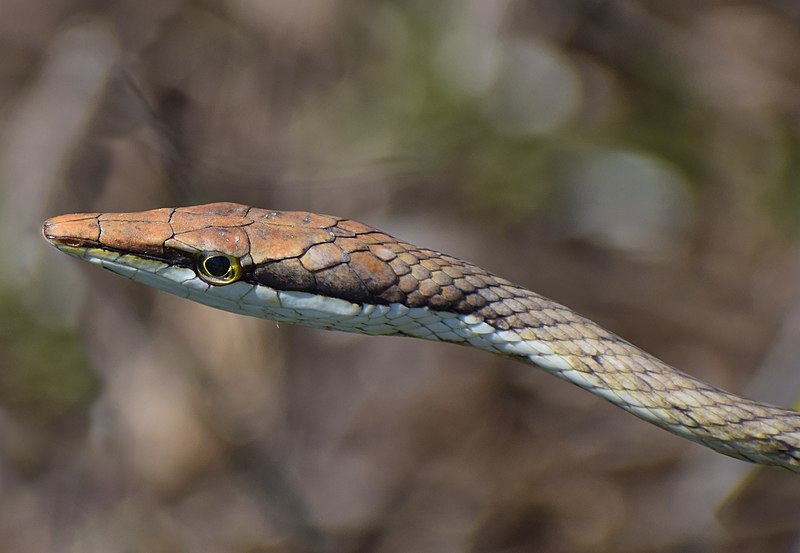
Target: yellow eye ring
x=218 y=269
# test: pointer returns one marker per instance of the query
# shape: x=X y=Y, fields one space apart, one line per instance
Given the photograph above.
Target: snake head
x=231 y=256
x=208 y=253
x=285 y=266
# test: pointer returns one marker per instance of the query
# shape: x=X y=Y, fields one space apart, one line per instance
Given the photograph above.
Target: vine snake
x=333 y=273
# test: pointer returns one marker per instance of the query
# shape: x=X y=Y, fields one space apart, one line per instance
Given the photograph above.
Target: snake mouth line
x=72 y=245
x=60 y=239
x=71 y=242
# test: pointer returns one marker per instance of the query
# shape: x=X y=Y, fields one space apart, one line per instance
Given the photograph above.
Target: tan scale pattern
x=332 y=257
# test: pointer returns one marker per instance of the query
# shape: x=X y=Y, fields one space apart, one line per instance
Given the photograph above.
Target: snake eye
x=218 y=269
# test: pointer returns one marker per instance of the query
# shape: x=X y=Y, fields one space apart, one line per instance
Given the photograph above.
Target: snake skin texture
x=339 y=274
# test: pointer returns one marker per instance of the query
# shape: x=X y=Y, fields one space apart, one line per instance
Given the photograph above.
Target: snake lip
x=70 y=241
x=57 y=240
x=71 y=234
x=60 y=241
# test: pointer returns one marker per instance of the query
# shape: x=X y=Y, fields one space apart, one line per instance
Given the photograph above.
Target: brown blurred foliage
x=635 y=160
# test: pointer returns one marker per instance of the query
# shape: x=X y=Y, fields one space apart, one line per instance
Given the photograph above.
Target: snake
x=336 y=273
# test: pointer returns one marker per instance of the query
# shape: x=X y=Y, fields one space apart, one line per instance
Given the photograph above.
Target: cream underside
x=393 y=319
x=324 y=312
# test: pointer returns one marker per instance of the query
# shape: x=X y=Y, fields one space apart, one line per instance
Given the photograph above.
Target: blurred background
x=633 y=159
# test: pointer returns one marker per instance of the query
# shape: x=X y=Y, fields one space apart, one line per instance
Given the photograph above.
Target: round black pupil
x=218 y=266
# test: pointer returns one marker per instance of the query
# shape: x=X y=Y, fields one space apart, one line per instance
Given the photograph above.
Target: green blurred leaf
x=44 y=373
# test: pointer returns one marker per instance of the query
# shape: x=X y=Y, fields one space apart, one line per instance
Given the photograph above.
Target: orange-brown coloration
x=339 y=258
x=127 y=235
x=226 y=239
x=290 y=251
x=161 y=215
x=74 y=229
x=272 y=241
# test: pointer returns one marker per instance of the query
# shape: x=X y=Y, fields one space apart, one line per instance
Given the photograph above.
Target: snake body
x=333 y=273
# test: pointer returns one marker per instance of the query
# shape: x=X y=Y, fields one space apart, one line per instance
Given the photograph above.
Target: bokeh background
x=636 y=160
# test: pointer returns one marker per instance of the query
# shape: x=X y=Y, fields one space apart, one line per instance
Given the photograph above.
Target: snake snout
x=72 y=230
